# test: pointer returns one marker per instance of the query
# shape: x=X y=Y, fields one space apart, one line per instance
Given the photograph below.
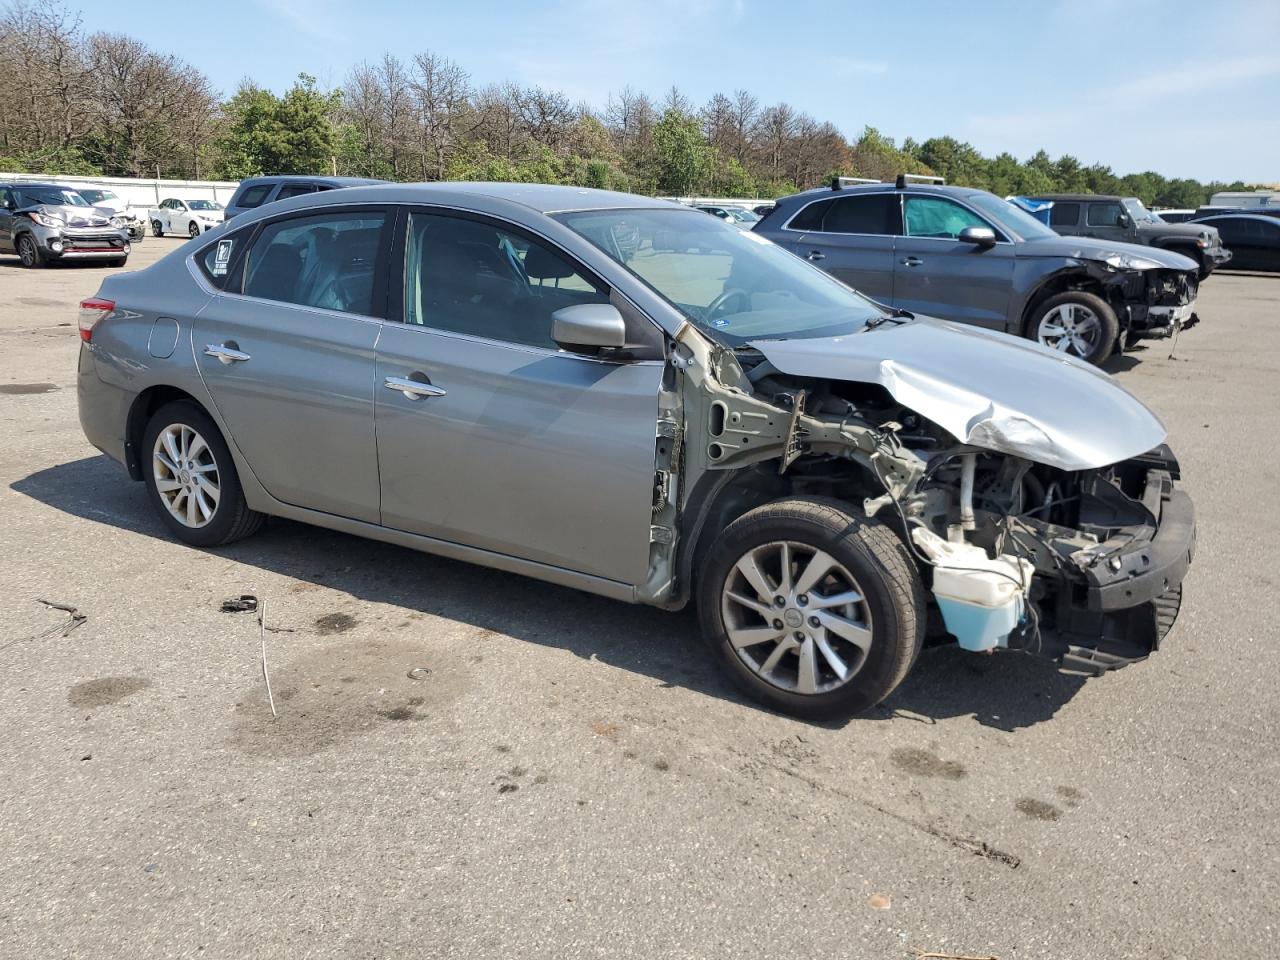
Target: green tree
x=270 y=134
x=683 y=154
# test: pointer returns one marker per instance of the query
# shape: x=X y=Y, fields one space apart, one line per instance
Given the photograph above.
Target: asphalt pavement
x=568 y=776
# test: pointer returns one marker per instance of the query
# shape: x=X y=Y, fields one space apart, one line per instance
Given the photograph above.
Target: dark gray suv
x=966 y=255
x=257 y=191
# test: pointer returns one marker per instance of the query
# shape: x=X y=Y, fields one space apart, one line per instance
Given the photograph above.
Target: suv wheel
x=29 y=252
x=191 y=478
x=811 y=610
x=1077 y=323
x=156 y=229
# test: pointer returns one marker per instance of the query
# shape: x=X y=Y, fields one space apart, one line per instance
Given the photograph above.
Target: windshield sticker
x=720 y=322
x=222 y=257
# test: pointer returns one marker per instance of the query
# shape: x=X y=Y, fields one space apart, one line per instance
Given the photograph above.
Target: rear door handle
x=227 y=353
x=911 y=261
x=413 y=389
x=815 y=255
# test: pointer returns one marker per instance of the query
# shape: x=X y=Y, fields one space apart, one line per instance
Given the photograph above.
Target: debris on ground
x=925 y=955
x=74 y=619
x=878 y=901
x=245 y=603
x=419 y=673
x=262 y=633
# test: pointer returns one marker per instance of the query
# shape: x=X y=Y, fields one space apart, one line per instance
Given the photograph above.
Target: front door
x=1107 y=220
x=502 y=441
x=289 y=361
x=938 y=275
x=7 y=204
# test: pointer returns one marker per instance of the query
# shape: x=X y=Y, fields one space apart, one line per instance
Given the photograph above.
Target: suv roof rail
x=839 y=183
x=905 y=178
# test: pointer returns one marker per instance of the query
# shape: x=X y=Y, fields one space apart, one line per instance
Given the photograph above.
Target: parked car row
x=966 y=255
x=645 y=402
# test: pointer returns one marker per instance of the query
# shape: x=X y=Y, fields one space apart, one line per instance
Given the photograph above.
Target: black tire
x=156 y=229
x=1109 y=326
x=29 y=252
x=193 y=230
x=232 y=518
x=882 y=568
x=1206 y=268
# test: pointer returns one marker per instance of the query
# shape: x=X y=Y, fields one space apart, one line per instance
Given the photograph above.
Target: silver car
x=632 y=398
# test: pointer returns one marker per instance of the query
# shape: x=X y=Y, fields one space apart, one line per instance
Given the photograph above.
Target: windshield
x=1011 y=219
x=204 y=205
x=734 y=285
x=1139 y=213
x=52 y=197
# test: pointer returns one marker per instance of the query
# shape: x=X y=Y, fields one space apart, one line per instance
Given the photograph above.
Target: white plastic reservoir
x=981 y=599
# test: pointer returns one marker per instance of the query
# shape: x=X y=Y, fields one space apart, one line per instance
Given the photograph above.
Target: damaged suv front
x=834 y=479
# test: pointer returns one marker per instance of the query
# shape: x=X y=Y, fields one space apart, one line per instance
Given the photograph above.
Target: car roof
x=308 y=178
x=932 y=189
x=539 y=197
x=37 y=185
x=1237 y=216
x=1078 y=197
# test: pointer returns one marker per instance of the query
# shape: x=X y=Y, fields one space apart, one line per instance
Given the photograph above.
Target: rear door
x=289 y=358
x=851 y=237
x=505 y=442
x=936 y=274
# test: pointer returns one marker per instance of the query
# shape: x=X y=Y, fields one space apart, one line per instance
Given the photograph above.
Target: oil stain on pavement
x=105 y=691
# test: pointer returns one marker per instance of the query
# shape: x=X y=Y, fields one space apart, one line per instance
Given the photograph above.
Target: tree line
x=107 y=104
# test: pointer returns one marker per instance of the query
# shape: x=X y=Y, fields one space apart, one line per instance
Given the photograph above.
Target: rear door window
x=253 y=196
x=295 y=190
x=810 y=218
x=1064 y=214
x=218 y=260
x=875 y=214
x=326 y=261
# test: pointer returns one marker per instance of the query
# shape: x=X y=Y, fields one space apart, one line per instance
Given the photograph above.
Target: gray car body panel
x=1008 y=399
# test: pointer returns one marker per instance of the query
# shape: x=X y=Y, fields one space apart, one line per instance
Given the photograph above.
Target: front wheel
x=812 y=610
x=193 y=230
x=156 y=229
x=1076 y=323
x=29 y=253
x=192 y=480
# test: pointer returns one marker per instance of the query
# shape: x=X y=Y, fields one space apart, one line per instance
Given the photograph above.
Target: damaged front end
x=1035 y=494
x=1151 y=300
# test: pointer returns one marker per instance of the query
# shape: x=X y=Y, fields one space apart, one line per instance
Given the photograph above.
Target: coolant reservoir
x=981 y=599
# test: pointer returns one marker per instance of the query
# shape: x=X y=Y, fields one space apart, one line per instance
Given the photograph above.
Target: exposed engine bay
x=1077 y=562
x=1152 y=303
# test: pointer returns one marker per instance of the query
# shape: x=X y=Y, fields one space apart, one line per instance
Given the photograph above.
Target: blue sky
x=1184 y=87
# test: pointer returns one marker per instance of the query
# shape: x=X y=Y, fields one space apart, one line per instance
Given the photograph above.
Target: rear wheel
x=192 y=480
x=29 y=252
x=1076 y=323
x=811 y=610
x=156 y=229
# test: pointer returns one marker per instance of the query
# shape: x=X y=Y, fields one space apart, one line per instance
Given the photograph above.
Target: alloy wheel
x=193 y=230
x=186 y=475
x=27 y=251
x=796 y=617
x=1070 y=328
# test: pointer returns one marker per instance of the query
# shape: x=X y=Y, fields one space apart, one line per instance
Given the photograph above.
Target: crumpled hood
x=76 y=216
x=987 y=389
x=1088 y=248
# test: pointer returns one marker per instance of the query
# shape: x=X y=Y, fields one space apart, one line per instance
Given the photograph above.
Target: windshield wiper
x=897 y=315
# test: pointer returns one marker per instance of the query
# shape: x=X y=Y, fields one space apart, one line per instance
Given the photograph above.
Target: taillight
x=91 y=311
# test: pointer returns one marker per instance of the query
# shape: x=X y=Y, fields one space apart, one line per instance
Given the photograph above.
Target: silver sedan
x=632 y=398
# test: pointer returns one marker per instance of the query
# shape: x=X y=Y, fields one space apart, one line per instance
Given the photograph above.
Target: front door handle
x=815 y=255
x=413 y=389
x=227 y=353
x=911 y=261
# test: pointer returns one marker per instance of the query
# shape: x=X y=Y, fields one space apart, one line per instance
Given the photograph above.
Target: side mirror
x=586 y=327
x=979 y=236
x=1122 y=220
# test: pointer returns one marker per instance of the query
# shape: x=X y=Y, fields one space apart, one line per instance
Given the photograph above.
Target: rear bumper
x=104 y=409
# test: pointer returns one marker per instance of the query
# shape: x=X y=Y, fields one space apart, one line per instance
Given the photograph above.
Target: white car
x=190 y=217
